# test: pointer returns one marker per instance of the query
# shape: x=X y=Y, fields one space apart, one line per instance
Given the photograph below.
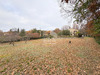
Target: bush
x=50 y=36
x=79 y=35
x=97 y=38
x=60 y=33
x=65 y=32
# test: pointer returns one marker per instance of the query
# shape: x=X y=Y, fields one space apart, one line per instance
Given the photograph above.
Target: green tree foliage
x=60 y=33
x=22 y=33
x=97 y=26
x=15 y=30
x=34 y=30
x=65 y=32
x=18 y=30
x=50 y=36
x=87 y=10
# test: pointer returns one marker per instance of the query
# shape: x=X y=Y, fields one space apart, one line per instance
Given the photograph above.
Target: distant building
x=6 y=33
x=45 y=34
x=73 y=32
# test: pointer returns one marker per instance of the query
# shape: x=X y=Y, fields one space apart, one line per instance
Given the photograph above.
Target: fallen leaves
x=39 y=58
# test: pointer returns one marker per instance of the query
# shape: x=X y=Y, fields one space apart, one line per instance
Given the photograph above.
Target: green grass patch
x=35 y=68
x=48 y=71
x=69 y=70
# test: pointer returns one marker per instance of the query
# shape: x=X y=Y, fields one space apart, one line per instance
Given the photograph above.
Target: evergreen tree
x=18 y=30
x=22 y=33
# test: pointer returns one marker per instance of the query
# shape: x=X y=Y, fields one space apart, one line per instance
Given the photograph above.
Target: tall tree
x=18 y=30
x=22 y=33
x=34 y=30
x=89 y=11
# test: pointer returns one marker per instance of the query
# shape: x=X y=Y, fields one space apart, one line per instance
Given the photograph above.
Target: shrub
x=65 y=32
x=50 y=36
x=60 y=33
x=79 y=35
x=97 y=38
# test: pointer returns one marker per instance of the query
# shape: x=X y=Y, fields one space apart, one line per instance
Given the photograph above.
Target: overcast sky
x=29 y=14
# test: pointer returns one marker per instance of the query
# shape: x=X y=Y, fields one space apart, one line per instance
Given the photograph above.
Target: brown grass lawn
x=51 y=57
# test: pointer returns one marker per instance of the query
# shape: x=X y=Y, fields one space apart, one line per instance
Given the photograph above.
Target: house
x=44 y=34
x=73 y=32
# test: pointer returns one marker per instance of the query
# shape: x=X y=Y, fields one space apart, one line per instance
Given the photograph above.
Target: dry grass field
x=51 y=57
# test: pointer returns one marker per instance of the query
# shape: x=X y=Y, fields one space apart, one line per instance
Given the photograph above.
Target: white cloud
x=30 y=14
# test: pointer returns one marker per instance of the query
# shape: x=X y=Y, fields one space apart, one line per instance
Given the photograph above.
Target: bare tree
x=66 y=27
x=13 y=36
x=75 y=26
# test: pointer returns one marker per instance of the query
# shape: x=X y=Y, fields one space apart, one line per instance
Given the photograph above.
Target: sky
x=29 y=14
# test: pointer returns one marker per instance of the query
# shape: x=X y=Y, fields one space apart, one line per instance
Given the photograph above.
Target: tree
x=29 y=34
x=11 y=37
x=86 y=10
x=34 y=30
x=66 y=27
x=65 y=32
x=57 y=30
x=60 y=33
x=65 y=1
x=22 y=33
x=75 y=26
x=83 y=30
x=89 y=11
x=18 y=30
x=14 y=30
